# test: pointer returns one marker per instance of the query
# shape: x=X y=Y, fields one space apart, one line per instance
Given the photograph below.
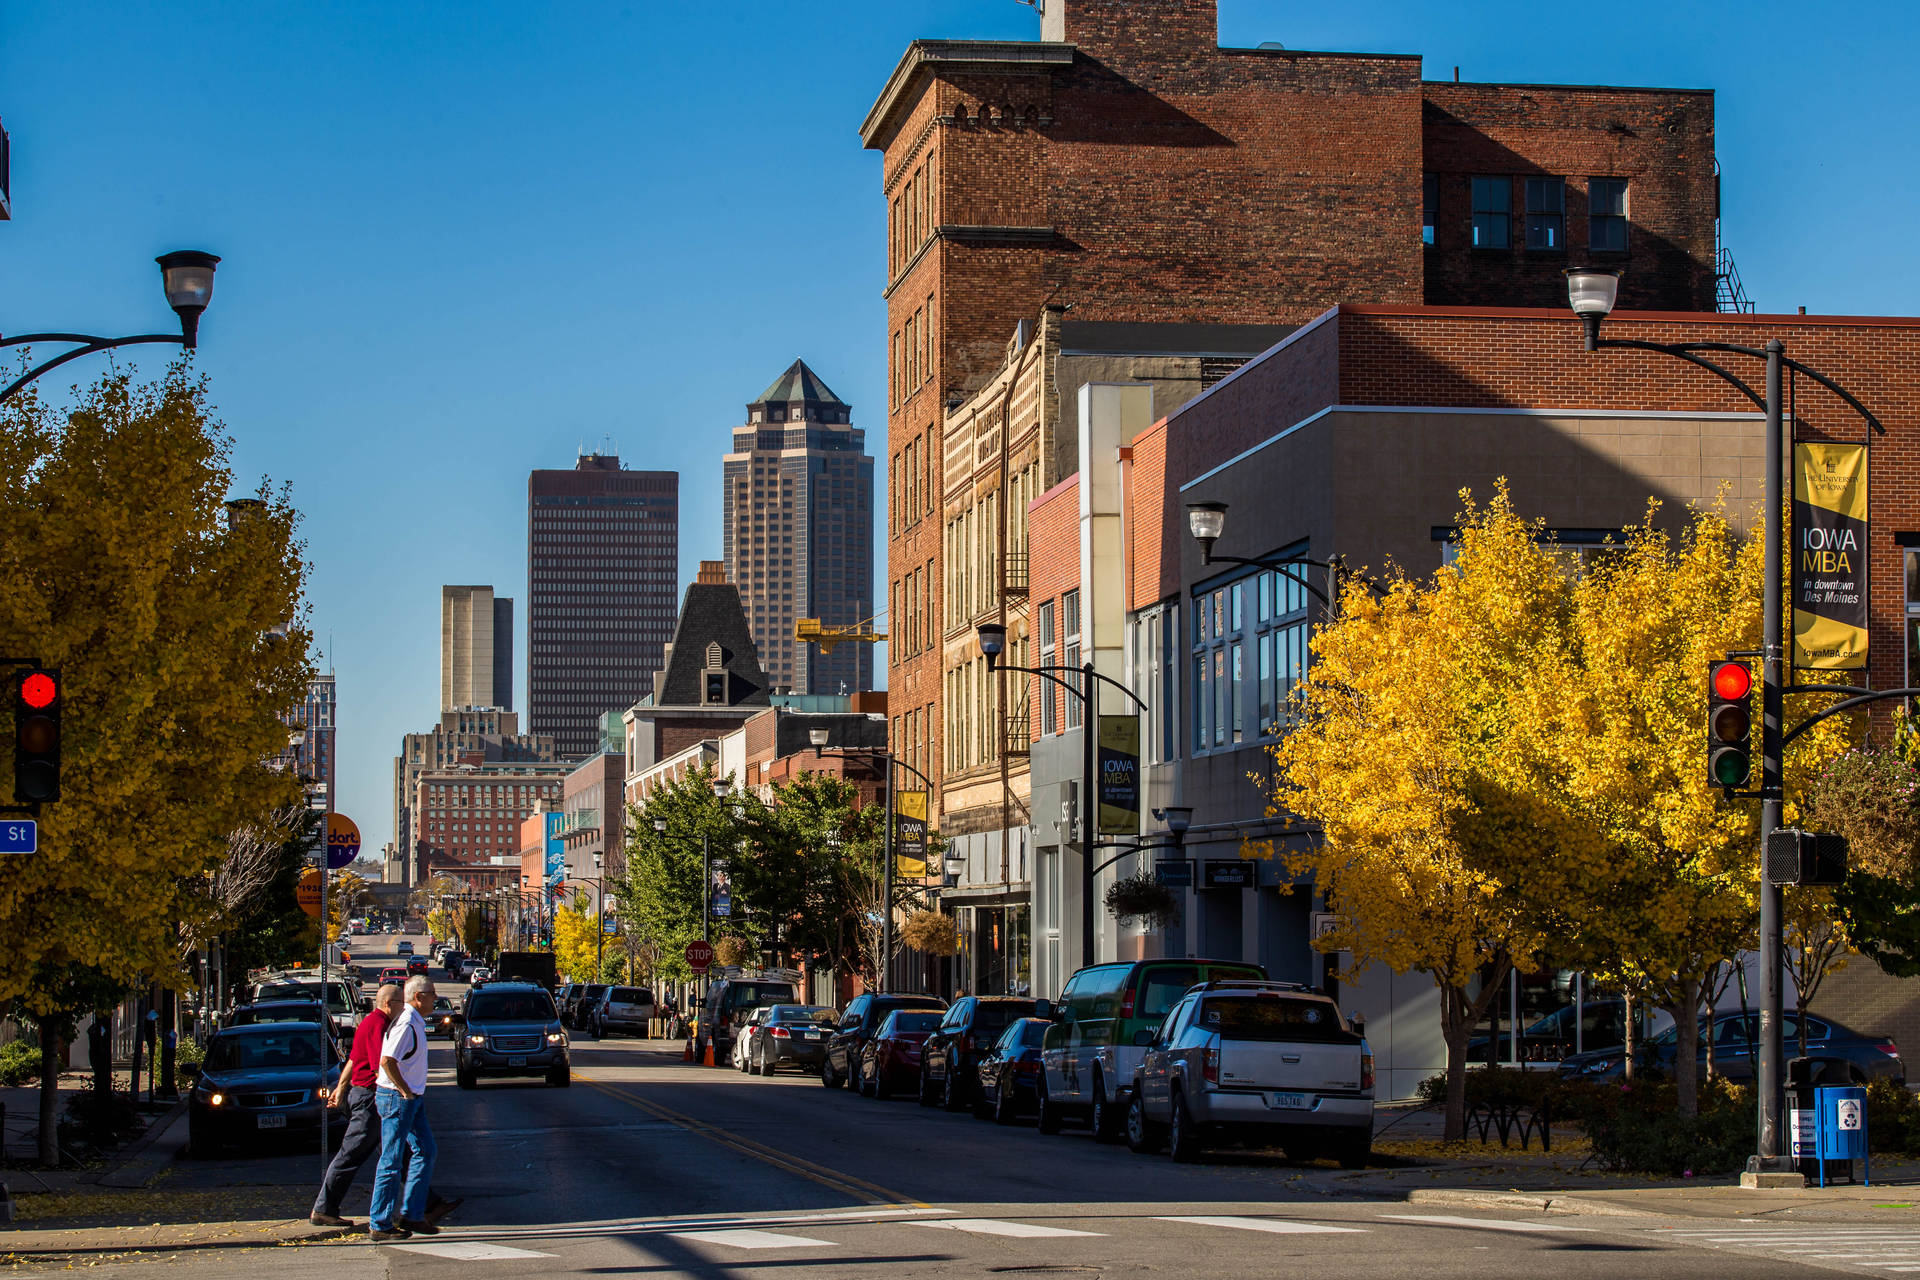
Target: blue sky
x=463 y=240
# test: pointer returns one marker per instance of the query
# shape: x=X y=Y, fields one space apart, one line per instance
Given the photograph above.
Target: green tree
x=662 y=893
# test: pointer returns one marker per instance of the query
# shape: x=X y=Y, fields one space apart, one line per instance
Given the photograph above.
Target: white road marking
x=1279 y=1226
x=1489 y=1224
x=470 y=1251
x=994 y=1227
x=753 y=1239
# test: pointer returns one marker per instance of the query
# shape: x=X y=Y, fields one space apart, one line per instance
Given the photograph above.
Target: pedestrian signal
x=36 y=735
x=1729 y=723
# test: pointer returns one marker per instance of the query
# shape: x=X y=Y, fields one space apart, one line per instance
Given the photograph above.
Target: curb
x=1569 y=1205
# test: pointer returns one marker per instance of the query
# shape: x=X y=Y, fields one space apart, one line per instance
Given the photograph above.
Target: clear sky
x=463 y=240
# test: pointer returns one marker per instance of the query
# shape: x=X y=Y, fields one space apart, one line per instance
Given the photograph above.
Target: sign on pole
x=1830 y=556
x=343 y=841
x=910 y=835
x=307 y=892
x=19 y=835
x=699 y=955
x=1119 y=775
x=720 y=891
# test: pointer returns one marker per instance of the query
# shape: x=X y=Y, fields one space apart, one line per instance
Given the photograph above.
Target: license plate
x=516 y=1062
x=1291 y=1101
x=271 y=1122
x=809 y=1035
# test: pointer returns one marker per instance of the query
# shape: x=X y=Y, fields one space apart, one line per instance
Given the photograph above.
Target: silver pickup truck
x=1254 y=1062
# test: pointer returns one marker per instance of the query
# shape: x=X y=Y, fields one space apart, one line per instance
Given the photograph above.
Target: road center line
x=1279 y=1226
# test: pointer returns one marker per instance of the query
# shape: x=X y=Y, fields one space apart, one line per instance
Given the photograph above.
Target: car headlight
x=556 y=1037
x=216 y=1099
x=476 y=1041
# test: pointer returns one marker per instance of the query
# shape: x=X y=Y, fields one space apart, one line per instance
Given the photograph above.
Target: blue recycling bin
x=1840 y=1128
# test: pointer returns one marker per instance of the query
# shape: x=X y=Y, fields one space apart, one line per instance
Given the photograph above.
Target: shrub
x=1893 y=1118
x=1872 y=797
x=1634 y=1128
x=19 y=1063
x=730 y=950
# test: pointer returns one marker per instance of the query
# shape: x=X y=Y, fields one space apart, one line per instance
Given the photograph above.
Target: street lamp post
x=993 y=642
x=187 y=277
x=1592 y=292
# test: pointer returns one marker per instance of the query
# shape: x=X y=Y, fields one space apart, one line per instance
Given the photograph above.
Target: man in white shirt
x=405 y=1137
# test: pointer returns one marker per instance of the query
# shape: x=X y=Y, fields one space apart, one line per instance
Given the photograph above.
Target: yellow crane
x=814 y=631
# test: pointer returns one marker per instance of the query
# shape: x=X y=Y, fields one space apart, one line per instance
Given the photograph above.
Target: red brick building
x=1129 y=168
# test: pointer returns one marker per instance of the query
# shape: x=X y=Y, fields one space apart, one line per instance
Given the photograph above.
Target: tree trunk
x=49 y=1094
x=1458 y=1017
x=168 y=1038
x=1686 y=1046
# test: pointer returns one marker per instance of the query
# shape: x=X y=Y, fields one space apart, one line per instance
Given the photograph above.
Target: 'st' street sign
x=19 y=835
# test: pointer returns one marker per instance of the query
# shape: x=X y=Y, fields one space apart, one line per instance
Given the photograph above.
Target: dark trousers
x=361 y=1144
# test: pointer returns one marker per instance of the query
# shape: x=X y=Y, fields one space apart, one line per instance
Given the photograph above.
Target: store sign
x=1175 y=873
x=1119 y=775
x=1234 y=874
x=910 y=835
x=556 y=827
x=1830 y=556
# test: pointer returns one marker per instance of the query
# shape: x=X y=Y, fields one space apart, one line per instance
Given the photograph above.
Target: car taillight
x=1891 y=1049
x=1126 y=1002
x=966 y=1043
x=1026 y=1067
x=724 y=1022
x=1366 y=1072
x=780 y=1033
x=1210 y=1067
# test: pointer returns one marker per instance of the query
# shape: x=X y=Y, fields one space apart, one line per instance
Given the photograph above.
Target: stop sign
x=699 y=956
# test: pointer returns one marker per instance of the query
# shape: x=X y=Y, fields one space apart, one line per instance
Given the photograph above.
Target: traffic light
x=37 y=697
x=1729 y=723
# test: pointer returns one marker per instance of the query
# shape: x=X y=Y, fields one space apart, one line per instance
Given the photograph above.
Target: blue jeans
x=403 y=1131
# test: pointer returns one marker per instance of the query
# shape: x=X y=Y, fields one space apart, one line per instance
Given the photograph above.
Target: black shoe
x=319 y=1219
x=440 y=1208
x=391 y=1233
x=419 y=1228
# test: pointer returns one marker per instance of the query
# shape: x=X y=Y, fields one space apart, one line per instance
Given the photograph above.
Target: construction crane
x=814 y=631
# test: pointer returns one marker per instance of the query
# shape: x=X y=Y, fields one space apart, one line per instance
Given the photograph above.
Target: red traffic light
x=1732 y=680
x=38 y=690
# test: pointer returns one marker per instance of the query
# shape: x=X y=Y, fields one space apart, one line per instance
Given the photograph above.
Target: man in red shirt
x=354 y=1090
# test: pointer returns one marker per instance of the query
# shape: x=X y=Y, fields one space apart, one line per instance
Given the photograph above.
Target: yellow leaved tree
x=576 y=938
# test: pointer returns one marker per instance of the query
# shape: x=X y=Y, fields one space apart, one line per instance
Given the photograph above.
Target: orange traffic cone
x=707 y=1059
x=686 y=1054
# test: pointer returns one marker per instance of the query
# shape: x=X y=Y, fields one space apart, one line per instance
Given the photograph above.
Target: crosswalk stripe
x=470 y=1251
x=1490 y=1224
x=1279 y=1226
x=994 y=1227
x=753 y=1239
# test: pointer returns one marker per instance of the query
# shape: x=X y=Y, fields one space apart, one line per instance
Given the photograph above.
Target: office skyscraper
x=476 y=649
x=798 y=536
x=603 y=554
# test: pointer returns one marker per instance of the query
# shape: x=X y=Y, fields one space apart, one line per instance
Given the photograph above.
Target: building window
x=1045 y=686
x=1607 y=215
x=1493 y=213
x=1070 y=649
x=1429 y=206
x=1913 y=615
x=1546 y=213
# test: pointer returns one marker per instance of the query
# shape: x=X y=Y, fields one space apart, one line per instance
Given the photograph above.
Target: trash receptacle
x=1840 y=1129
x=1805 y=1078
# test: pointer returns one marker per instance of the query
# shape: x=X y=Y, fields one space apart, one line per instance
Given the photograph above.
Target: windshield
x=266 y=1051
x=337 y=1000
x=992 y=1019
x=509 y=1006
x=915 y=1022
x=1267 y=1018
x=1028 y=1033
x=292 y=1013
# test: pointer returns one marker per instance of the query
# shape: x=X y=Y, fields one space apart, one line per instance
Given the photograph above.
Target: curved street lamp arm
x=1837 y=389
x=1845 y=704
x=1126 y=849
x=1079 y=671
x=1278 y=566
x=92 y=345
x=1685 y=351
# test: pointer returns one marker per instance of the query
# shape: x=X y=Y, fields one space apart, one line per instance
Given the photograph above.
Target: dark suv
x=950 y=1058
x=858 y=1022
x=511 y=1029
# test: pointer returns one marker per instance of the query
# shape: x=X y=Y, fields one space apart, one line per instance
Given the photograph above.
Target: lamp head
x=187 y=277
x=1592 y=291
x=1206 y=521
x=993 y=641
x=818 y=737
x=660 y=826
x=721 y=786
x=1178 y=817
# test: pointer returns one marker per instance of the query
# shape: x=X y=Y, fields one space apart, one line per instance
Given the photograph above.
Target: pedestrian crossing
x=1890 y=1250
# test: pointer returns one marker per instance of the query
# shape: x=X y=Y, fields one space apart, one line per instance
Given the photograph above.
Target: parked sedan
x=858 y=1023
x=743 y=1037
x=1736 y=1037
x=1007 y=1075
x=891 y=1060
x=796 y=1033
x=952 y=1052
x=264 y=1078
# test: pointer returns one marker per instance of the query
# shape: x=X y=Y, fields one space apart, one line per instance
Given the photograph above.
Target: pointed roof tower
x=798 y=385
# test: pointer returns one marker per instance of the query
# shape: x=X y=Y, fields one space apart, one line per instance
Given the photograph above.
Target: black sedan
x=1009 y=1072
x=1736 y=1039
x=796 y=1033
x=262 y=1080
x=951 y=1054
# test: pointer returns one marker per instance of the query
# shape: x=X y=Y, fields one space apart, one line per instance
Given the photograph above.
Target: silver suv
x=1258 y=1062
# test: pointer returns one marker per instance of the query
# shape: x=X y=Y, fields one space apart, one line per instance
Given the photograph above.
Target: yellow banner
x=1829 y=577
x=910 y=835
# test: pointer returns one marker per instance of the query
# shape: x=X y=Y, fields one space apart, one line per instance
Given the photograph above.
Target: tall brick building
x=1129 y=169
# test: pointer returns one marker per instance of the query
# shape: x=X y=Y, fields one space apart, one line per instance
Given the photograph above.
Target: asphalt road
x=649 y=1166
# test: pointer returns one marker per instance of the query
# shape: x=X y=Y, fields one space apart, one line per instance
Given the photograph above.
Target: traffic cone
x=686 y=1054
x=707 y=1059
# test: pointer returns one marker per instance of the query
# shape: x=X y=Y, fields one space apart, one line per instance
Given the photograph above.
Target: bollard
x=6 y=1203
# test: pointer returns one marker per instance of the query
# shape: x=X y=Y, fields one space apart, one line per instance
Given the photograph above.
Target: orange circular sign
x=307 y=892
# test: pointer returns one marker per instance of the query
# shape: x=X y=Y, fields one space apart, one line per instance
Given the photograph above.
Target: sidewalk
x=1415 y=1166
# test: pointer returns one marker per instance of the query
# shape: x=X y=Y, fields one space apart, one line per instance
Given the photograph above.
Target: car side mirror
x=1045 y=1009
x=1145 y=1038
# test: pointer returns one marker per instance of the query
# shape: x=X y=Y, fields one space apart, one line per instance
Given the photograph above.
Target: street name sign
x=19 y=835
x=699 y=956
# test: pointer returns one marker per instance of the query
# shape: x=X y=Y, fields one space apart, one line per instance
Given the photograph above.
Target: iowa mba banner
x=910 y=835
x=1830 y=556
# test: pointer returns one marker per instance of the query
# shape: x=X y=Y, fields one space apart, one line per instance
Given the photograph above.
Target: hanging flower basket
x=1145 y=899
x=730 y=951
x=933 y=932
